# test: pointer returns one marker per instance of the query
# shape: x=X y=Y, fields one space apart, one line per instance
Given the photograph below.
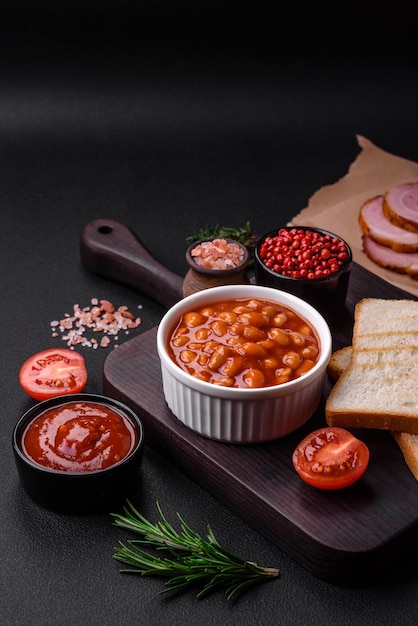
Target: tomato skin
x=53 y=372
x=331 y=458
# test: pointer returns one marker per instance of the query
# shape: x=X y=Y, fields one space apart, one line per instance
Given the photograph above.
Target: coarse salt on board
x=100 y=317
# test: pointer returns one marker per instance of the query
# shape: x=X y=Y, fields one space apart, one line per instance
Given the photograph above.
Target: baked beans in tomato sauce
x=244 y=343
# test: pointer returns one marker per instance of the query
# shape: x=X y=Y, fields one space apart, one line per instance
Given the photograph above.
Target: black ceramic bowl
x=214 y=272
x=327 y=294
x=199 y=277
x=80 y=492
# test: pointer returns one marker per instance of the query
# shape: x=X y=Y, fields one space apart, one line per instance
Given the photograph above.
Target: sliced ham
x=400 y=205
x=402 y=262
x=375 y=225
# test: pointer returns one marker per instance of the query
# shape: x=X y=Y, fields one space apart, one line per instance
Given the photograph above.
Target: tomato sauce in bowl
x=80 y=454
x=79 y=437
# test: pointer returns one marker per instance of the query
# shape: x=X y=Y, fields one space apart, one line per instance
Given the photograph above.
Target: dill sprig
x=243 y=234
x=190 y=558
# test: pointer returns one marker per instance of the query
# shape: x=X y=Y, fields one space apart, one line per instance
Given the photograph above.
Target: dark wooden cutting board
x=333 y=534
x=344 y=536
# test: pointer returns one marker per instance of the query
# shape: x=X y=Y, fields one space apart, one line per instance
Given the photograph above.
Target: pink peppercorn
x=303 y=253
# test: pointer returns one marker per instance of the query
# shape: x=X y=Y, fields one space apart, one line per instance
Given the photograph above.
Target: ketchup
x=79 y=437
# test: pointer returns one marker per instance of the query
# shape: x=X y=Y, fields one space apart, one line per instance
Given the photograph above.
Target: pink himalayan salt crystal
x=102 y=317
x=218 y=254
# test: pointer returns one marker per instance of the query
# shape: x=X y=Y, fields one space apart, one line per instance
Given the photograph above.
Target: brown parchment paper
x=336 y=207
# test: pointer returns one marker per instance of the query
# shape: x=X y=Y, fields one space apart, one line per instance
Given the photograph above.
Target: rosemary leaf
x=243 y=234
x=194 y=559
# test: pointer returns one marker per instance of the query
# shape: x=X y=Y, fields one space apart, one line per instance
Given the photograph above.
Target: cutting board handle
x=112 y=250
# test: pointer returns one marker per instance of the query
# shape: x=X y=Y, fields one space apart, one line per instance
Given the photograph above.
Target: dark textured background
x=169 y=116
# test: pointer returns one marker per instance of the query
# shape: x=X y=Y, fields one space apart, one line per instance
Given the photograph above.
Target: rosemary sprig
x=194 y=560
x=243 y=234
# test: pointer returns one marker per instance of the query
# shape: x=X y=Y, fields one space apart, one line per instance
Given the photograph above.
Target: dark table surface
x=168 y=119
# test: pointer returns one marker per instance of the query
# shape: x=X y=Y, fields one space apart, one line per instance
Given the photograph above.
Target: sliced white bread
x=339 y=362
x=408 y=442
x=379 y=388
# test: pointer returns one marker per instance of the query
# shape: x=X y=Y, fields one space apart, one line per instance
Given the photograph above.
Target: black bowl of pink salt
x=216 y=254
x=214 y=262
x=311 y=263
x=80 y=454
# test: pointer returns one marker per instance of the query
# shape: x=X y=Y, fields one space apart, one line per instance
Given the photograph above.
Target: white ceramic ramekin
x=239 y=415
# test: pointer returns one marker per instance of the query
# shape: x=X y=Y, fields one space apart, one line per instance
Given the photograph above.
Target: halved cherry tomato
x=53 y=372
x=331 y=458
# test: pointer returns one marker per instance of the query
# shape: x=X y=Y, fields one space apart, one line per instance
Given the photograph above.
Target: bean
x=252 y=349
x=203 y=375
x=305 y=330
x=279 y=320
x=202 y=334
x=224 y=381
x=187 y=356
x=235 y=341
x=279 y=336
x=310 y=352
x=268 y=344
x=254 y=304
x=219 y=328
x=180 y=340
x=297 y=339
x=192 y=319
x=283 y=378
x=241 y=309
x=292 y=359
x=254 y=334
x=228 y=316
x=194 y=346
x=203 y=359
x=271 y=363
x=283 y=375
x=218 y=357
x=305 y=366
x=233 y=365
x=254 y=318
x=237 y=329
x=254 y=378
x=269 y=310
x=209 y=346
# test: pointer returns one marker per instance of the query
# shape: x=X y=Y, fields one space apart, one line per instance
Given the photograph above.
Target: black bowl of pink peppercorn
x=311 y=263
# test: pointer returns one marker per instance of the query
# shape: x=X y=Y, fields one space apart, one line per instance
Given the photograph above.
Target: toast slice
x=379 y=388
x=408 y=443
x=339 y=362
